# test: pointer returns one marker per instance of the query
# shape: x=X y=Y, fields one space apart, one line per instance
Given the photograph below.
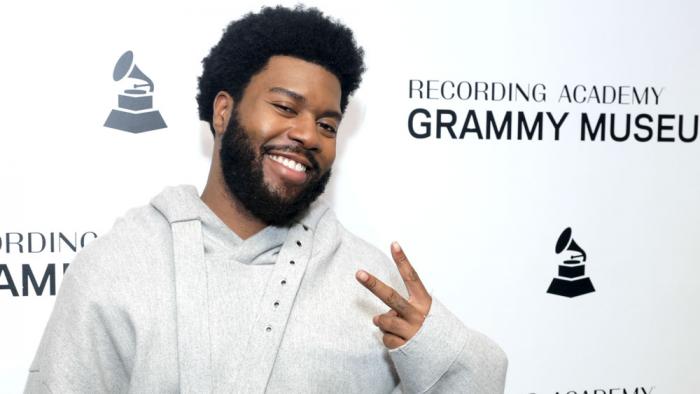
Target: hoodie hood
x=182 y=203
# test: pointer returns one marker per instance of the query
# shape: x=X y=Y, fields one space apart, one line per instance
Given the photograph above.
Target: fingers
x=391 y=323
x=408 y=274
x=392 y=341
x=406 y=317
x=391 y=312
x=389 y=296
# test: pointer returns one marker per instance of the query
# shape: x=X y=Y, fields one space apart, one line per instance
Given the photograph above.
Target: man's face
x=279 y=146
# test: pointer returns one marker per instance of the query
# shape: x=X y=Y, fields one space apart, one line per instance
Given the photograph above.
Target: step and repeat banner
x=539 y=161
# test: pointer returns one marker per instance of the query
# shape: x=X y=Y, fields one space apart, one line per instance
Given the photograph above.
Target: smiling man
x=254 y=286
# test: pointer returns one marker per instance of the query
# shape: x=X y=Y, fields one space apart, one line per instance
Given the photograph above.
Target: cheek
x=262 y=132
x=329 y=153
x=260 y=125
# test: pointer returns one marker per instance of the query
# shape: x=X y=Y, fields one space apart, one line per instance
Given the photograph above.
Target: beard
x=242 y=167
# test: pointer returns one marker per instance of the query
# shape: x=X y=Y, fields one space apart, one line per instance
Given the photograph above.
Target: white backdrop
x=478 y=218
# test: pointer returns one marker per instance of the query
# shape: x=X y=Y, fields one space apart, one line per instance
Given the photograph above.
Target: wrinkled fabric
x=172 y=300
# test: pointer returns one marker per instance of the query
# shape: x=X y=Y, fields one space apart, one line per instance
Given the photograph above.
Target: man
x=249 y=288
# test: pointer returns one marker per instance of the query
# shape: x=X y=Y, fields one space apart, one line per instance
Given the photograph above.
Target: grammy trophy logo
x=135 y=113
x=571 y=281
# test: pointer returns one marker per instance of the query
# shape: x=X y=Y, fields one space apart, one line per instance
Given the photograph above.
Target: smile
x=289 y=163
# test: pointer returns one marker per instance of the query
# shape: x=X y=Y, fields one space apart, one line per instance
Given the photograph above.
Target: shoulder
x=361 y=248
x=351 y=247
x=139 y=228
x=132 y=248
x=331 y=232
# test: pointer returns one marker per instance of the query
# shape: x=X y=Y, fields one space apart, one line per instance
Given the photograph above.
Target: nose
x=305 y=133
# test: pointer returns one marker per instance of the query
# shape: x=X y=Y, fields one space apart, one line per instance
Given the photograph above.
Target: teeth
x=291 y=164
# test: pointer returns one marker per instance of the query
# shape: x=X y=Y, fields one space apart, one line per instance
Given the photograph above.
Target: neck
x=227 y=207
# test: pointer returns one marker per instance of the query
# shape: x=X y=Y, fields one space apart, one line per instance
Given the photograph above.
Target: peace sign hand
x=406 y=316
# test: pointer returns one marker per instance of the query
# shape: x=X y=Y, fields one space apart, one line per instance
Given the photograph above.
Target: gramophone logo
x=135 y=113
x=572 y=281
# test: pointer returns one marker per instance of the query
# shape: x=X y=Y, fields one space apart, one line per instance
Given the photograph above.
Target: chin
x=284 y=193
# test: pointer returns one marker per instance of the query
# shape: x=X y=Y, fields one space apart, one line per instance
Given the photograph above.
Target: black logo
x=572 y=281
x=135 y=113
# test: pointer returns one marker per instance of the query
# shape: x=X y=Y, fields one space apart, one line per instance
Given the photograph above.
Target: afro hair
x=248 y=43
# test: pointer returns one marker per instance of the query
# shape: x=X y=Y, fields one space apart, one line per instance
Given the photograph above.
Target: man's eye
x=327 y=127
x=284 y=108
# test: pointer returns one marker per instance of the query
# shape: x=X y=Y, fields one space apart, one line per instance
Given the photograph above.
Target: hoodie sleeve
x=446 y=357
x=82 y=349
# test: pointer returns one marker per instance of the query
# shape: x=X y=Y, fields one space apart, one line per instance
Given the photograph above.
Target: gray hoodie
x=171 y=300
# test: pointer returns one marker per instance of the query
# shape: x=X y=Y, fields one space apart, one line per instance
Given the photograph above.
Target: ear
x=223 y=107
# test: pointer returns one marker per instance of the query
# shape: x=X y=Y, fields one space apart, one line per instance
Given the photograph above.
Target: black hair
x=248 y=43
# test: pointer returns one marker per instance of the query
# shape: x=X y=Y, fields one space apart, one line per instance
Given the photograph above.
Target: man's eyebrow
x=332 y=114
x=291 y=94
x=298 y=97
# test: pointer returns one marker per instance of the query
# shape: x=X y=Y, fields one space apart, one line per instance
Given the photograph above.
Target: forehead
x=316 y=84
